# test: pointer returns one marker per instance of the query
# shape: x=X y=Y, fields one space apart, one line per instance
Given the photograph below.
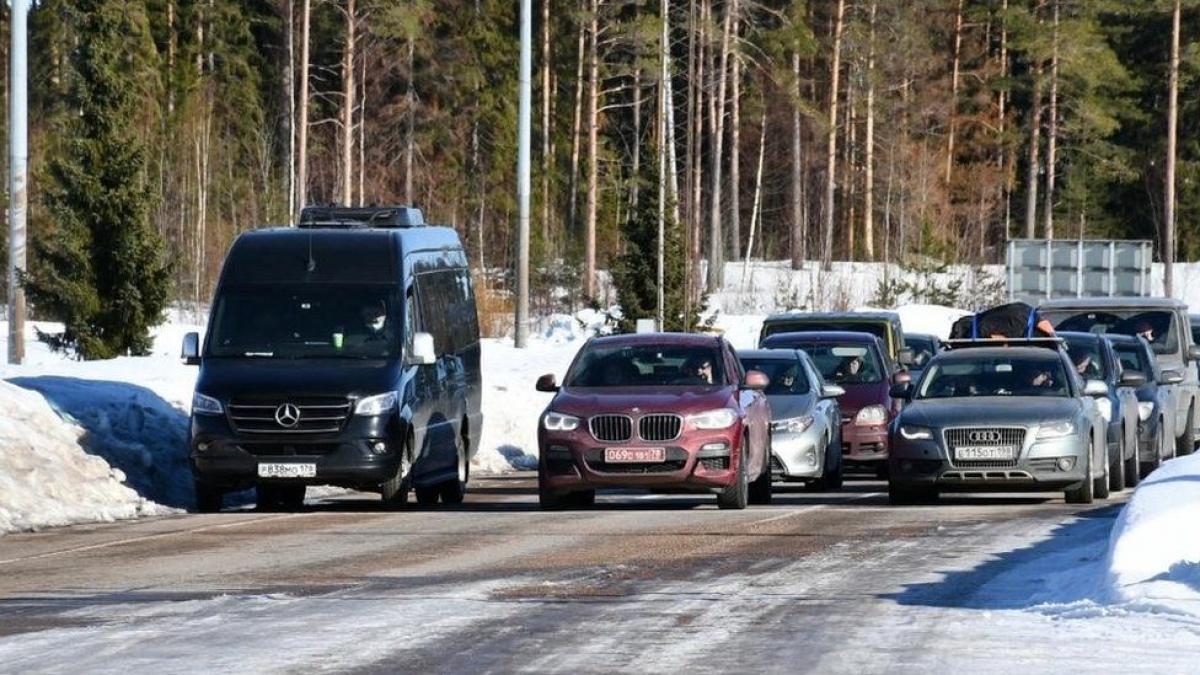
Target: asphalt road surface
x=823 y=582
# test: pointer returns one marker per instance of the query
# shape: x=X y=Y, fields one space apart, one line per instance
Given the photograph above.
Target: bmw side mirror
x=547 y=383
x=756 y=380
x=901 y=390
x=832 y=391
x=422 y=350
x=1132 y=378
x=1095 y=388
x=905 y=357
x=1171 y=377
x=191 y=349
x=1193 y=353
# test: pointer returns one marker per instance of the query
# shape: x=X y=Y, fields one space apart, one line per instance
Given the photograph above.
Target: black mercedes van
x=343 y=351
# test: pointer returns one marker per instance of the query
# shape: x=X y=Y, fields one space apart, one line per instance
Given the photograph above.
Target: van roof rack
x=352 y=217
x=1046 y=342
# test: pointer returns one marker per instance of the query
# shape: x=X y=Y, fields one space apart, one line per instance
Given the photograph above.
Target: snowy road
x=836 y=582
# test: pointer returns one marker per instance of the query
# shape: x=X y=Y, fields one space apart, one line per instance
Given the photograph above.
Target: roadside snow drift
x=46 y=478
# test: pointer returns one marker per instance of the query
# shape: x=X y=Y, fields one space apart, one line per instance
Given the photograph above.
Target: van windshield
x=297 y=321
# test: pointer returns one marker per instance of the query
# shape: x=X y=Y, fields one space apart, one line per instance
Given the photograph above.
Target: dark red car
x=855 y=362
x=661 y=411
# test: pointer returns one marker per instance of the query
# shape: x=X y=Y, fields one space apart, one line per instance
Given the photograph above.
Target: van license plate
x=287 y=470
x=985 y=453
x=634 y=455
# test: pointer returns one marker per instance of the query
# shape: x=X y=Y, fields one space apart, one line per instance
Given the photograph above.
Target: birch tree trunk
x=1168 y=245
x=637 y=139
x=1035 y=127
x=831 y=154
x=869 y=145
x=716 y=257
x=547 y=130
x=735 y=146
x=1001 y=122
x=289 y=73
x=302 y=125
x=410 y=99
x=576 y=125
x=1051 y=134
x=589 y=287
x=362 y=132
x=799 y=231
x=756 y=209
x=348 y=107
x=951 y=121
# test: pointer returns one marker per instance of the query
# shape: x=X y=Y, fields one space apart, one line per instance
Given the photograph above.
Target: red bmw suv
x=661 y=411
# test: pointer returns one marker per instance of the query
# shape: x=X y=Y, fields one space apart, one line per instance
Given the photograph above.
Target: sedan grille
x=660 y=427
x=296 y=416
x=611 y=428
x=985 y=437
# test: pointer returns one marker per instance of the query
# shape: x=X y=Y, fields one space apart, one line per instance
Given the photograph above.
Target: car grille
x=611 y=428
x=676 y=460
x=660 y=427
x=999 y=437
x=316 y=416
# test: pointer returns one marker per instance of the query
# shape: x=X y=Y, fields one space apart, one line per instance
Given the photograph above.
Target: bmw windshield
x=647 y=366
x=995 y=376
x=298 y=321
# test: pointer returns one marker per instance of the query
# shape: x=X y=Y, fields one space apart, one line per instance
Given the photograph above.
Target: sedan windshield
x=647 y=366
x=292 y=321
x=1002 y=376
x=849 y=363
x=787 y=376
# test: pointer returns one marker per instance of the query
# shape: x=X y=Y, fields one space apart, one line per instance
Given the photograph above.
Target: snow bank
x=46 y=477
x=1154 y=550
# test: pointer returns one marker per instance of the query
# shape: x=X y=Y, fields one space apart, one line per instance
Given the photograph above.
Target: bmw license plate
x=985 y=453
x=287 y=470
x=634 y=455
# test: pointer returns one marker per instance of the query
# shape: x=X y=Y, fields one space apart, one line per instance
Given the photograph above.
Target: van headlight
x=376 y=405
x=792 y=425
x=206 y=405
x=1145 y=410
x=1055 y=430
x=559 y=422
x=721 y=418
x=871 y=416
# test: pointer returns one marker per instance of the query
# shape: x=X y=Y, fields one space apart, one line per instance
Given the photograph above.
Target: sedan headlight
x=1145 y=410
x=206 y=405
x=872 y=415
x=913 y=433
x=559 y=422
x=1056 y=430
x=376 y=405
x=722 y=418
x=1105 y=407
x=792 y=425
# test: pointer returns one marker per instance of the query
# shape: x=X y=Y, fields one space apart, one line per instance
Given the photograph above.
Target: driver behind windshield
x=850 y=370
x=698 y=368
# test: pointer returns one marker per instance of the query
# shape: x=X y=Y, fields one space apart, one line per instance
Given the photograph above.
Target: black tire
x=900 y=495
x=1116 y=467
x=832 y=478
x=1160 y=446
x=549 y=500
x=454 y=490
x=736 y=496
x=279 y=497
x=1185 y=443
x=581 y=500
x=1132 y=470
x=428 y=495
x=760 y=488
x=209 y=497
x=1083 y=491
x=881 y=471
x=395 y=491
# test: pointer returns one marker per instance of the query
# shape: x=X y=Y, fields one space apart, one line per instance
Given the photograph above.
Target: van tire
x=454 y=491
x=1185 y=443
x=395 y=490
x=209 y=497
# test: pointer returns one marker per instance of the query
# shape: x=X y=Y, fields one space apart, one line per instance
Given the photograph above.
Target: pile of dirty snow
x=46 y=478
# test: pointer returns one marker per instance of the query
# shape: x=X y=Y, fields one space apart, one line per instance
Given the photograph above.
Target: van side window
x=447 y=309
x=410 y=321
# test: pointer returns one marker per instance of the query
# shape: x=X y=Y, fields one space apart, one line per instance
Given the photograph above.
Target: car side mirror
x=901 y=390
x=1132 y=378
x=1193 y=353
x=422 y=353
x=832 y=391
x=1171 y=377
x=906 y=357
x=756 y=380
x=902 y=377
x=191 y=349
x=1095 y=388
x=547 y=383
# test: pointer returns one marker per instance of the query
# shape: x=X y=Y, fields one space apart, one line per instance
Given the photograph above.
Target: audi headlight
x=559 y=422
x=1145 y=410
x=1105 y=407
x=913 y=433
x=872 y=415
x=722 y=418
x=376 y=405
x=1056 y=430
x=206 y=405
x=792 y=425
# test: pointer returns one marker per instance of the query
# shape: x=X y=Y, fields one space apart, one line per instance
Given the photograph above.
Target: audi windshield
x=1005 y=376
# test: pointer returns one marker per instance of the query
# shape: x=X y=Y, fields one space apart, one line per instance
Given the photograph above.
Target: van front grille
x=295 y=416
x=611 y=428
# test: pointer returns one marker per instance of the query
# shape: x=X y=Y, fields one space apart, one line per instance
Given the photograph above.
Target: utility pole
x=18 y=160
x=1168 y=245
x=521 y=332
x=663 y=102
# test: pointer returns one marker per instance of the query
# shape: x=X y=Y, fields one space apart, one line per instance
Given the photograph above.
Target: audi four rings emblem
x=985 y=436
x=287 y=415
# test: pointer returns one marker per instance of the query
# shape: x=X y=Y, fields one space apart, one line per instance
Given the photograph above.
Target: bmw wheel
x=736 y=495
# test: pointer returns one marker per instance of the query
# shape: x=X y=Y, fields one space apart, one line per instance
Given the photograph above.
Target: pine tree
x=103 y=274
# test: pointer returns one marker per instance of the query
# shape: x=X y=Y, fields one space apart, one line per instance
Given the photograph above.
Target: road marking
x=147 y=537
x=814 y=507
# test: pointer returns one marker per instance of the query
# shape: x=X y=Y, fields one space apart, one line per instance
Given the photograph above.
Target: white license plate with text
x=984 y=453
x=287 y=470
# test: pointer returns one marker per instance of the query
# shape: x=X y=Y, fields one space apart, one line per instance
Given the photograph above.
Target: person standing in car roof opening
x=1014 y=320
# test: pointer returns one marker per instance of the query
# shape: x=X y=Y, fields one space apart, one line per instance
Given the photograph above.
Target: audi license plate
x=634 y=455
x=986 y=453
x=287 y=470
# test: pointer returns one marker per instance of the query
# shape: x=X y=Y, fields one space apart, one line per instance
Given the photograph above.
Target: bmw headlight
x=1105 y=407
x=914 y=433
x=559 y=422
x=1055 y=430
x=870 y=416
x=206 y=405
x=376 y=405
x=792 y=425
x=1145 y=410
x=721 y=418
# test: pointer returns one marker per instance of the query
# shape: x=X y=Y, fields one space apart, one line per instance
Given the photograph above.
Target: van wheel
x=395 y=491
x=454 y=490
x=1185 y=443
x=428 y=495
x=274 y=497
x=208 y=497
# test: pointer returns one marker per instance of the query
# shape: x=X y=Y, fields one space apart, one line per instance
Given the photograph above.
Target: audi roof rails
x=352 y=217
x=1046 y=342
